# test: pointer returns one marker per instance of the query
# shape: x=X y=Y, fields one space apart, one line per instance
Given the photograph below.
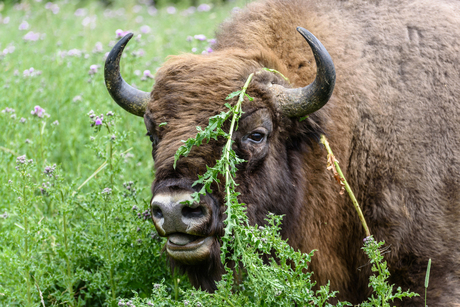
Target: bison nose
x=172 y=213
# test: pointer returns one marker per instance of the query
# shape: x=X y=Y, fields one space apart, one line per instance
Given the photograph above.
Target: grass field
x=61 y=240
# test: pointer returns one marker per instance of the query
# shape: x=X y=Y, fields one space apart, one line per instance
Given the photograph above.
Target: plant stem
x=26 y=237
x=176 y=286
x=110 y=159
x=228 y=146
x=347 y=187
x=69 y=269
x=109 y=257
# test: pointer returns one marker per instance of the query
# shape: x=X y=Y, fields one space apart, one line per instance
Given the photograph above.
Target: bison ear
x=127 y=97
x=298 y=102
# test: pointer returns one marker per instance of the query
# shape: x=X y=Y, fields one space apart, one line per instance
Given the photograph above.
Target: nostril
x=190 y=212
x=157 y=212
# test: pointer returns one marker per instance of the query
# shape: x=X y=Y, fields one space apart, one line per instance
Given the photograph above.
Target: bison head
x=189 y=89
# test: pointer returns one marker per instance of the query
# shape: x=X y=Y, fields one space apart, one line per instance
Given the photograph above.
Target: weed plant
x=75 y=228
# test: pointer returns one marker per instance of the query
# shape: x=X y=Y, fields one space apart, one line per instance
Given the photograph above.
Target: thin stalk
x=176 y=286
x=347 y=186
x=26 y=239
x=66 y=246
x=228 y=146
x=110 y=159
x=109 y=256
x=111 y=163
x=427 y=278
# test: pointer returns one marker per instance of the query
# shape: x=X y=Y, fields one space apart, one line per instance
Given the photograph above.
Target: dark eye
x=256 y=137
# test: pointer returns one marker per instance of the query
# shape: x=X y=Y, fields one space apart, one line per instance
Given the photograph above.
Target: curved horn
x=302 y=101
x=132 y=100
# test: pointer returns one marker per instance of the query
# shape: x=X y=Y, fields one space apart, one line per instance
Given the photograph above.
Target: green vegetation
x=75 y=227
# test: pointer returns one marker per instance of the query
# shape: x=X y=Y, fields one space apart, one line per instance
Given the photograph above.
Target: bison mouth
x=188 y=249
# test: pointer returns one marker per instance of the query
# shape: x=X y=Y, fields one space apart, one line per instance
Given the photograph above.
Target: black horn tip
x=126 y=96
x=303 y=101
x=114 y=55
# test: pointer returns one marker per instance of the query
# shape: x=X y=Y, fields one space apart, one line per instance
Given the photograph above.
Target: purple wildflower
x=22 y=120
x=55 y=123
x=24 y=25
x=74 y=52
x=38 y=111
x=171 y=10
x=97 y=47
x=147 y=74
x=145 y=29
x=8 y=110
x=6 y=20
x=188 y=11
x=49 y=170
x=120 y=33
x=31 y=36
x=203 y=7
x=93 y=69
x=81 y=12
x=200 y=37
x=137 y=8
x=212 y=41
x=52 y=7
x=107 y=191
x=152 y=11
x=89 y=21
x=98 y=121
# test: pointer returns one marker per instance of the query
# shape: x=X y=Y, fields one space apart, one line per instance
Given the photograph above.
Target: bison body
x=393 y=122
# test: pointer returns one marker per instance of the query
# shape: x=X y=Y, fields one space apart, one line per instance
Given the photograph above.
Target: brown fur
x=392 y=122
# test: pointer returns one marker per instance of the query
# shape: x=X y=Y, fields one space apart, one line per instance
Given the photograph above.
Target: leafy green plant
x=383 y=292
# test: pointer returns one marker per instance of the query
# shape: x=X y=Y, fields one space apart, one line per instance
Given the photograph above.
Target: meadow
x=75 y=169
x=56 y=226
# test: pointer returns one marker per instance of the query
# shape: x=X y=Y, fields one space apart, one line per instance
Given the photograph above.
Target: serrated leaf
x=234 y=94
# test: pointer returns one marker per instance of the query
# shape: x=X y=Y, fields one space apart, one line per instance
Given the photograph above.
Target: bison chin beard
x=203 y=274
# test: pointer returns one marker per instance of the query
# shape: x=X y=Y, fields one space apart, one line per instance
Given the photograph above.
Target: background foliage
x=60 y=243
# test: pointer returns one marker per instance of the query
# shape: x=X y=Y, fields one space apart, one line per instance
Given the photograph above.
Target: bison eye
x=256 y=137
x=152 y=139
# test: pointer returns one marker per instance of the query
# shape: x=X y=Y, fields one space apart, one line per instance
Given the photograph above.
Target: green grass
x=67 y=245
